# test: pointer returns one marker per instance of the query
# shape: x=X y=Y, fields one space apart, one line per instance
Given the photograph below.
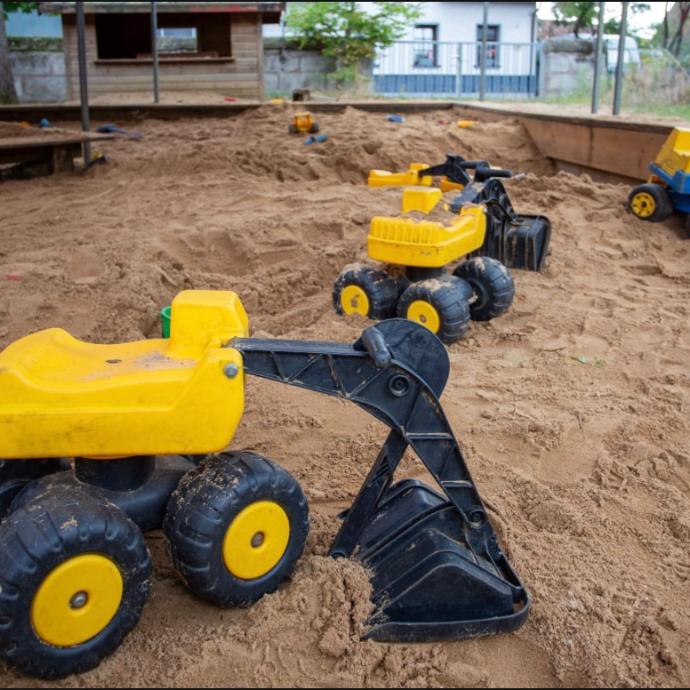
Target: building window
x=425 y=45
x=493 y=37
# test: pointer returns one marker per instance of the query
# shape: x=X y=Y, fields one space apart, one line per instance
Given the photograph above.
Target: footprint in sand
x=85 y=267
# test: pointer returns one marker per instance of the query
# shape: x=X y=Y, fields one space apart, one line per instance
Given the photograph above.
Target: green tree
x=613 y=26
x=348 y=33
x=585 y=16
x=674 y=28
x=580 y=14
x=8 y=93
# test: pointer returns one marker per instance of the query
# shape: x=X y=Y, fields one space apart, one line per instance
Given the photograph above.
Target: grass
x=681 y=110
x=676 y=110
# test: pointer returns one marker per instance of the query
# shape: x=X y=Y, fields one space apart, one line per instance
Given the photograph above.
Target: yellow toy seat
x=60 y=397
x=426 y=244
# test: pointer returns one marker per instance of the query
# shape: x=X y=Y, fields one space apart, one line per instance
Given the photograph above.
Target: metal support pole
x=458 y=74
x=532 y=61
x=597 y=60
x=482 y=61
x=83 y=81
x=154 y=52
x=618 y=89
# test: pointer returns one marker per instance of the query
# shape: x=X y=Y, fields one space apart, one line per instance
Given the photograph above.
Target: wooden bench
x=45 y=154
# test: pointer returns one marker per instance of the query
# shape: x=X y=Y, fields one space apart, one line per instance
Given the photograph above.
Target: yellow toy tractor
x=413 y=280
x=145 y=426
x=303 y=123
x=668 y=187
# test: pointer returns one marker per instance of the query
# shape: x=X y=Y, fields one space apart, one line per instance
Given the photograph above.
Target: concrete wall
x=39 y=70
x=567 y=66
x=286 y=69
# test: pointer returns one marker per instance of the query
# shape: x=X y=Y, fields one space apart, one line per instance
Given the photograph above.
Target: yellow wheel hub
x=354 y=300
x=643 y=204
x=256 y=540
x=424 y=313
x=77 y=601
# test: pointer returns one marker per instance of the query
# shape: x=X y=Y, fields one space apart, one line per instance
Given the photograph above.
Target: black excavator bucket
x=437 y=570
x=517 y=241
x=429 y=583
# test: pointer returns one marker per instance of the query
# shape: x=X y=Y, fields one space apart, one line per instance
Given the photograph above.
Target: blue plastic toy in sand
x=396 y=118
x=318 y=139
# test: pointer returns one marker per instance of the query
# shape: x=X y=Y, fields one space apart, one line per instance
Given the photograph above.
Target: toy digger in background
x=516 y=240
x=147 y=424
x=413 y=281
x=668 y=187
x=303 y=123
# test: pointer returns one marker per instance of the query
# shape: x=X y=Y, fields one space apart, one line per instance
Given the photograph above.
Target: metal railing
x=437 y=68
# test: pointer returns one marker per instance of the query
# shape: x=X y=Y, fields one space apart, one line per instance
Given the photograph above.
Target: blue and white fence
x=436 y=68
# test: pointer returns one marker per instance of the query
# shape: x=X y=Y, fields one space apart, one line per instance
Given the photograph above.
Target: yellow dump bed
x=426 y=243
x=60 y=397
x=675 y=153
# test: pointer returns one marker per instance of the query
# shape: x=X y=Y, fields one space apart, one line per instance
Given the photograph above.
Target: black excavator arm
x=438 y=570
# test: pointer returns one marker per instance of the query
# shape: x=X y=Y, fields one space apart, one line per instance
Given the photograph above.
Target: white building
x=510 y=22
x=441 y=53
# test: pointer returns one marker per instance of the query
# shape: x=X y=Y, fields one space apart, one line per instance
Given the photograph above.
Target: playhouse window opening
x=178 y=41
x=128 y=36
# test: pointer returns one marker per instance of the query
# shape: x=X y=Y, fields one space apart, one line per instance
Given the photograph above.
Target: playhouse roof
x=271 y=11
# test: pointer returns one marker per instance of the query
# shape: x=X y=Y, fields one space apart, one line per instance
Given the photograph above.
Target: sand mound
x=572 y=407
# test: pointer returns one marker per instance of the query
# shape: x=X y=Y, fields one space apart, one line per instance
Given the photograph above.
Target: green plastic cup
x=166 y=316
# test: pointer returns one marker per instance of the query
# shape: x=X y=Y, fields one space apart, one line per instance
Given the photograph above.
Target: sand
x=572 y=408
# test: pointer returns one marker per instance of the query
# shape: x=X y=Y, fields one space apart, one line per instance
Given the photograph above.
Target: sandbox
x=572 y=407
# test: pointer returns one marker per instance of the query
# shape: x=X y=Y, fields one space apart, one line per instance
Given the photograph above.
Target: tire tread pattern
x=201 y=510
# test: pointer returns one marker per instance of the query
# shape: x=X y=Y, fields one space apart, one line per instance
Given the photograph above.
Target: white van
x=632 y=51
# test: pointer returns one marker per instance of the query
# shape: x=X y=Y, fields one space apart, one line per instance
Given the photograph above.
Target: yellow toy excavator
x=484 y=237
x=146 y=426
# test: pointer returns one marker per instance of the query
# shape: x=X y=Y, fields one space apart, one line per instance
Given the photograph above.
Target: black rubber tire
x=315 y=128
x=381 y=289
x=201 y=510
x=449 y=296
x=16 y=474
x=492 y=284
x=293 y=129
x=35 y=540
x=663 y=204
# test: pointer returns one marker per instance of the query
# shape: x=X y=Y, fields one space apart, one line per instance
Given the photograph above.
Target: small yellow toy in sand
x=303 y=123
x=466 y=124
